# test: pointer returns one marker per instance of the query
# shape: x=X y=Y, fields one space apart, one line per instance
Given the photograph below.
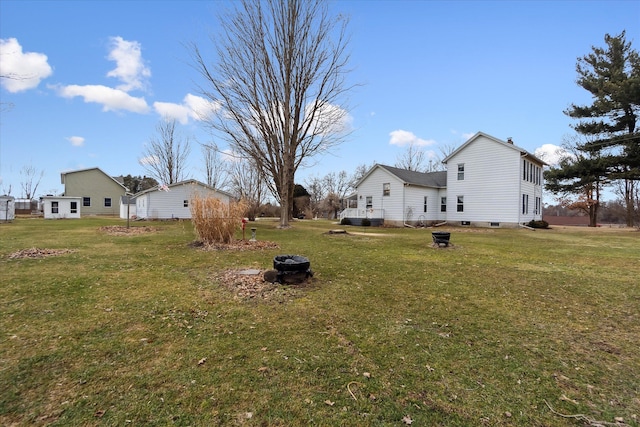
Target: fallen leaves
x=38 y=253
x=237 y=245
x=253 y=286
x=407 y=420
x=121 y=230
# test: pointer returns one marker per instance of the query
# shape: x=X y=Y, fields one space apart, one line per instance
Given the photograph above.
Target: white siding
x=7 y=208
x=414 y=202
x=123 y=210
x=372 y=187
x=491 y=184
x=405 y=203
x=62 y=205
x=158 y=204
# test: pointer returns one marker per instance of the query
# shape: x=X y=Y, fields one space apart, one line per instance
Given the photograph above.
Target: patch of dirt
x=254 y=287
x=237 y=245
x=38 y=253
x=121 y=230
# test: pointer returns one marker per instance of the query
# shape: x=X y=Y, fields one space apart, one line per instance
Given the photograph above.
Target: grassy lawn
x=508 y=327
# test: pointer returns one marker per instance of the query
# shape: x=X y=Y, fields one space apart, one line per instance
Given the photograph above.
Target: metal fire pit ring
x=289 y=269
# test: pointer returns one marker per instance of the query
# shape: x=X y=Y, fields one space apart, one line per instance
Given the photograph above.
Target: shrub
x=538 y=224
x=366 y=222
x=345 y=221
x=215 y=221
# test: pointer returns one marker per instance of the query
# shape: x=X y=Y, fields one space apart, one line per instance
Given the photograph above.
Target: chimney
x=510 y=140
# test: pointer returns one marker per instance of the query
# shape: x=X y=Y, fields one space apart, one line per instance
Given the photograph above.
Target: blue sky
x=101 y=74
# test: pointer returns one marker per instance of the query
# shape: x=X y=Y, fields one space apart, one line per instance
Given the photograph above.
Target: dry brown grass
x=215 y=221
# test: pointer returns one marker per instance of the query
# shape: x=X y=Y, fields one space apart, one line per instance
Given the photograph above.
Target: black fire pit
x=441 y=238
x=289 y=269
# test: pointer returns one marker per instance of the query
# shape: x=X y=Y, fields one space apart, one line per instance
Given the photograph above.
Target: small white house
x=127 y=207
x=395 y=196
x=59 y=207
x=7 y=208
x=173 y=201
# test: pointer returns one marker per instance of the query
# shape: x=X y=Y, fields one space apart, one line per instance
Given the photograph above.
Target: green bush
x=538 y=224
x=345 y=221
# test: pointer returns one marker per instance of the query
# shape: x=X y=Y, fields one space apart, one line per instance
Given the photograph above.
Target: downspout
x=520 y=191
x=404 y=207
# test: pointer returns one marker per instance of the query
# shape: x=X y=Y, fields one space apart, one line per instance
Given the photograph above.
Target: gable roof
x=424 y=179
x=185 y=182
x=523 y=152
x=63 y=174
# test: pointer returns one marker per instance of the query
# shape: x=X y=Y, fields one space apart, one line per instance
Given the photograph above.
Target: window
x=443 y=204
x=460 y=203
x=86 y=201
x=538 y=211
x=386 y=189
x=525 y=203
x=425 y=204
x=54 y=207
x=460 y=171
x=524 y=170
x=74 y=207
x=185 y=203
x=369 y=202
x=107 y=202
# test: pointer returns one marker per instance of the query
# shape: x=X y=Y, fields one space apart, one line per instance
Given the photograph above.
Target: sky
x=99 y=76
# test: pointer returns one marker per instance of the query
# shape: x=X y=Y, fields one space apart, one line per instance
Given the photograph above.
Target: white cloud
x=402 y=137
x=76 y=141
x=550 y=153
x=130 y=67
x=328 y=119
x=199 y=107
x=172 y=111
x=21 y=70
x=192 y=107
x=149 y=160
x=111 y=99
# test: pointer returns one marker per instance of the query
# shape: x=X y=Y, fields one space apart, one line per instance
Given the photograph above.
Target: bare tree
x=279 y=79
x=165 y=155
x=337 y=187
x=215 y=168
x=413 y=158
x=359 y=173
x=248 y=184
x=317 y=192
x=31 y=178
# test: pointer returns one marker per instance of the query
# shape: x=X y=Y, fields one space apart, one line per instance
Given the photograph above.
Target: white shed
x=127 y=207
x=7 y=208
x=173 y=201
x=59 y=207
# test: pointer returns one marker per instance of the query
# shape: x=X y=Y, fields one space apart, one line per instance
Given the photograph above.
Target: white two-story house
x=488 y=183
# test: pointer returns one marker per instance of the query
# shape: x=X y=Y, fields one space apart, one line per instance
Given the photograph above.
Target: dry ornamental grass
x=215 y=221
